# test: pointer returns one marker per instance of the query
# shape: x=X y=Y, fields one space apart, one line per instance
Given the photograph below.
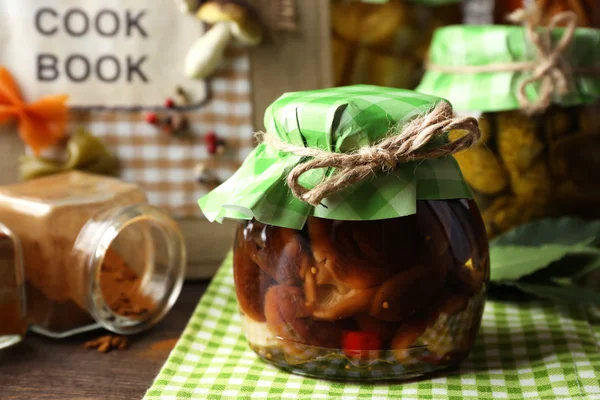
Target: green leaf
x=587 y=269
x=564 y=231
x=569 y=294
x=571 y=266
x=514 y=262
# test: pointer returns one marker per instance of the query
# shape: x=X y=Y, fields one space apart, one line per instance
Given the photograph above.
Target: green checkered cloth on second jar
x=480 y=45
x=341 y=120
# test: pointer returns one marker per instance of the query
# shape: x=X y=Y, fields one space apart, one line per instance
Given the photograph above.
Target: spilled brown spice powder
x=119 y=285
x=164 y=345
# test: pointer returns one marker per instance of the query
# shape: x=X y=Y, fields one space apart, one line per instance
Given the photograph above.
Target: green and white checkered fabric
x=524 y=351
x=479 y=45
x=340 y=120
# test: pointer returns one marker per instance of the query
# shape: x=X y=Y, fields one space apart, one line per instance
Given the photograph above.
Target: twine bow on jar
x=405 y=146
x=549 y=69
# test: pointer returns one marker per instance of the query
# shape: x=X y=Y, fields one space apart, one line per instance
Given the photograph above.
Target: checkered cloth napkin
x=524 y=351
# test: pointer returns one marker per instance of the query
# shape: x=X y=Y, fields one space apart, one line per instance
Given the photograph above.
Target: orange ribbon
x=42 y=123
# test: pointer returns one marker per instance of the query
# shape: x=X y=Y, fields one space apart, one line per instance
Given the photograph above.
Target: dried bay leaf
x=564 y=231
x=514 y=262
x=568 y=294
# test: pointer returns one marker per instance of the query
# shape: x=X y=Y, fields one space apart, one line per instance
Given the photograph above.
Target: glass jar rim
x=92 y=245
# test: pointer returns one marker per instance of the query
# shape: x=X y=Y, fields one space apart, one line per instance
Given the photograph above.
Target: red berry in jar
x=359 y=344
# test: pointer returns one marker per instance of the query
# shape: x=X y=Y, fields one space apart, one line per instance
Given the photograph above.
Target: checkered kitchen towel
x=164 y=166
x=524 y=351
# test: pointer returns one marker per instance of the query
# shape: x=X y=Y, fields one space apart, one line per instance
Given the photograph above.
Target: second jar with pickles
x=538 y=154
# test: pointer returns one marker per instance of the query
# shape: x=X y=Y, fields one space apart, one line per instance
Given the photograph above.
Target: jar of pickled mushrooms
x=359 y=252
x=536 y=92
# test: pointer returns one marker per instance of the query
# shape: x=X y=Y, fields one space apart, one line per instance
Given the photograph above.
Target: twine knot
x=550 y=70
x=407 y=145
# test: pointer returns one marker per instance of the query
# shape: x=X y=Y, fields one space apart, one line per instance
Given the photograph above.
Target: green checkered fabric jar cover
x=340 y=120
x=479 y=45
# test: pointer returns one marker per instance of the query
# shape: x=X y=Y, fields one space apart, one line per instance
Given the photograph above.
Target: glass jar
x=530 y=167
x=385 y=43
x=383 y=299
x=13 y=324
x=95 y=254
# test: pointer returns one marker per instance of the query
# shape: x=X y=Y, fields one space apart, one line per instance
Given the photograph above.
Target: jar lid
x=481 y=67
x=337 y=120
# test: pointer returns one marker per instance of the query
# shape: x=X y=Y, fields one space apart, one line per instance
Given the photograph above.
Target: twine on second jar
x=549 y=69
x=407 y=145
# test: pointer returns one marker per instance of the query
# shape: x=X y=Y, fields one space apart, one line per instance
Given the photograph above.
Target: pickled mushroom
x=384 y=329
x=286 y=315
x=405 y=337
x=250 y=284
x=280 y=252
x=326 y=302
x=408 y=292
x=432 y=319
x=360 y=255
x=258 y=333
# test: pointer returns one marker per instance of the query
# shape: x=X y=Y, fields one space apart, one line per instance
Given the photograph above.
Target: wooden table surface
x=40 y=368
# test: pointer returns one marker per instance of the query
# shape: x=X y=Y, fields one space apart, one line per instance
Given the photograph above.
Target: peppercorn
x=152 y=118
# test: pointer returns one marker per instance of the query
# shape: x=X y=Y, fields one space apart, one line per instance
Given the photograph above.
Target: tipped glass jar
x=13 y=324
x=95 y=254
x=383 y=299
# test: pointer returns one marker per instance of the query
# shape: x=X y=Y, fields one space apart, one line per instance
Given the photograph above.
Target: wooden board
x=48 y=369
x=207 y=244
x=291 y=61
